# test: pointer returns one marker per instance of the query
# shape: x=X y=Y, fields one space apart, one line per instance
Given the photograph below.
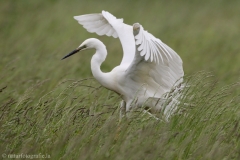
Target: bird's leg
x=122 y=109
x=128 y=108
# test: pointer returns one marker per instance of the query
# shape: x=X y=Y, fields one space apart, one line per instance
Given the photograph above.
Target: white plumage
x=149 y=67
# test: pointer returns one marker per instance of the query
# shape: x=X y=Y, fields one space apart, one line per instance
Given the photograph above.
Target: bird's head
x=87 y=44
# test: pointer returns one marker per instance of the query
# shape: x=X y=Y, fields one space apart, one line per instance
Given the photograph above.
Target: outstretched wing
x=155 y=64
x=106 y=24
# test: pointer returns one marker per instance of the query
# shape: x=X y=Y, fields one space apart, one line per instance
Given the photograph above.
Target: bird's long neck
x=96 y=61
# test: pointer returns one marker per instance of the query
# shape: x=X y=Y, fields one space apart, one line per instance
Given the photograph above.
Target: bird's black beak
x=74 y=51
x=71 y=53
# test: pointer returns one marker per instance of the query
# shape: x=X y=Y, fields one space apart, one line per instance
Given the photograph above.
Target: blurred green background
x=35 y=35
x=36 y=108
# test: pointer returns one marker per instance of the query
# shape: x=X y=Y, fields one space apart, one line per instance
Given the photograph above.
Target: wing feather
x=97 y=23
x=106 y=24
x=147 y=49
x=155 y=51
x=88 y=17
x=160 y=75
x=161 y=52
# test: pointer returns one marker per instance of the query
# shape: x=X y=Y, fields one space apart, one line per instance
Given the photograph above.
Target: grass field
x=55 y=107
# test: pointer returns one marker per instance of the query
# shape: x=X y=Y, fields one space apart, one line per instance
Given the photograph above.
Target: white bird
x=149 y=68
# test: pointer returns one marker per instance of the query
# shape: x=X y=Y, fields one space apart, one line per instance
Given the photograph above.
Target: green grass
x=54 y=107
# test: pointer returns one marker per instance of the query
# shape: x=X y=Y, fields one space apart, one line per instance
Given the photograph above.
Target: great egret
x=149 y=67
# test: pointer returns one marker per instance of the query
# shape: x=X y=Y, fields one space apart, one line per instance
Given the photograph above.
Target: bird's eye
x=83 y=47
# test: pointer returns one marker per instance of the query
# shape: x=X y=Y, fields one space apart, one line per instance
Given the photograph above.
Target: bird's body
x=149 y=67
x=117 y=80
